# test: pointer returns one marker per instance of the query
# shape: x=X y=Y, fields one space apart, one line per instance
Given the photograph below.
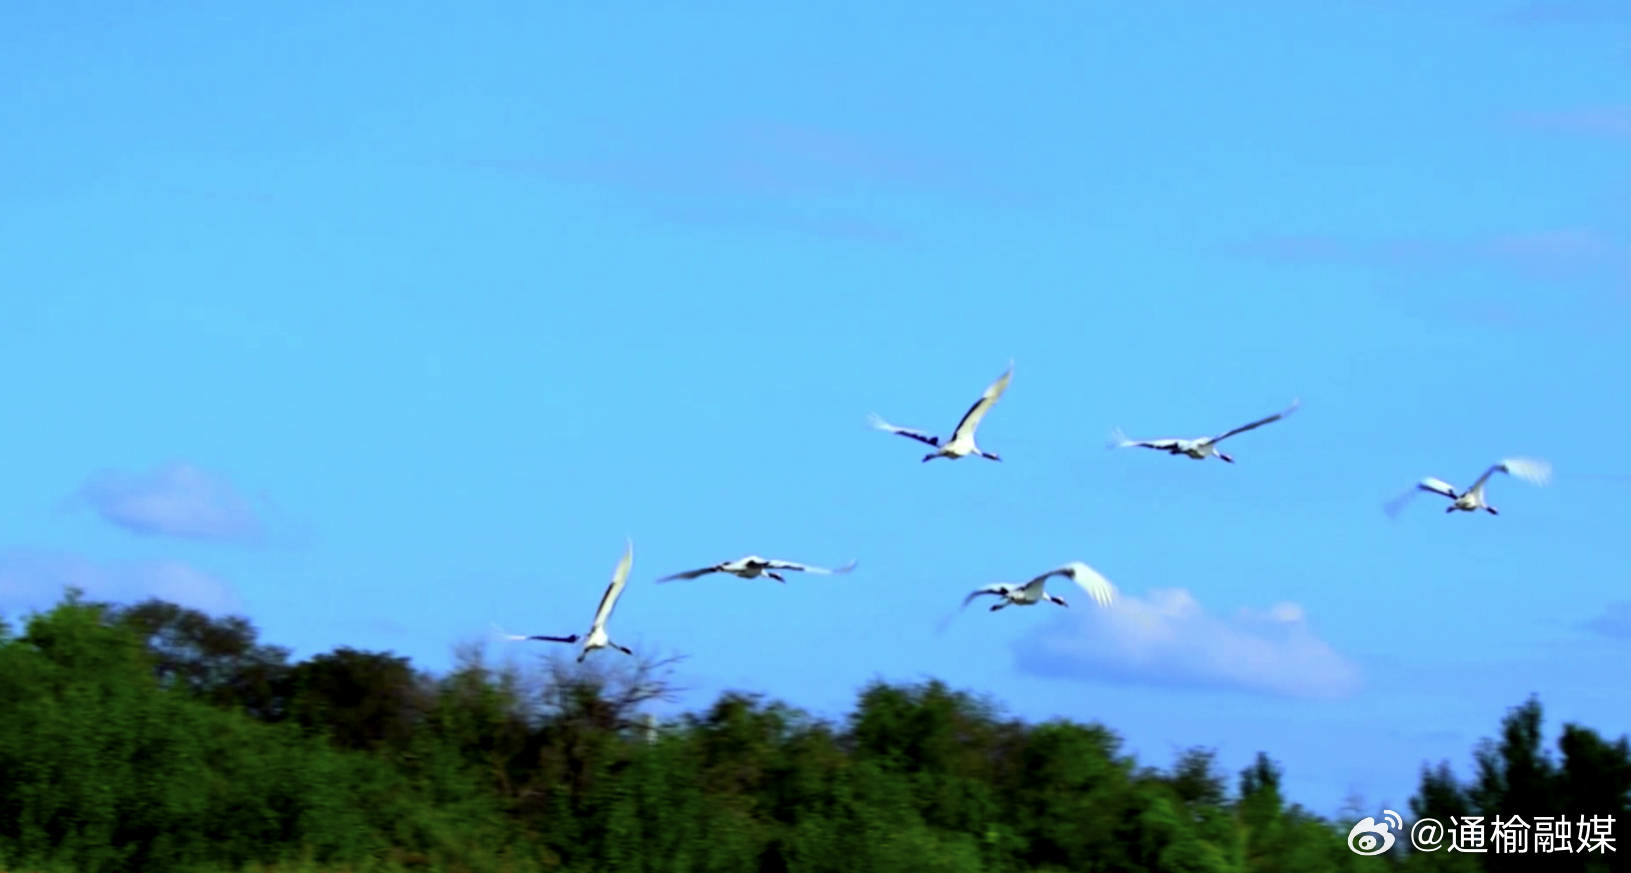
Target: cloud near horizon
x=177 y=500
x=32 y=580
x=1167 y=638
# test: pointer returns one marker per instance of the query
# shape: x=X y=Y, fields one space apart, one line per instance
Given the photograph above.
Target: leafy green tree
x=1259 y=813
x=1516 y=776
x=1595 y=777
x=141 y=739
x=479 y=714
x=216 y=660
x=361 y=700
x=1196 y=780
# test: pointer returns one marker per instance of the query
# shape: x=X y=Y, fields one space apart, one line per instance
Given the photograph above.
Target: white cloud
x=175 y=500
x=36 y=580
x=1166 y=638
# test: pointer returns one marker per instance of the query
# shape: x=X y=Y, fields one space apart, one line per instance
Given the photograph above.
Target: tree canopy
x=153 y=737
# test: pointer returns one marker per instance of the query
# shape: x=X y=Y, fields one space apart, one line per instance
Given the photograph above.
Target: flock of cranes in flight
x=961 y=445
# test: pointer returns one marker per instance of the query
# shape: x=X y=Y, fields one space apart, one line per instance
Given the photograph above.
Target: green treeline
x=152 y=737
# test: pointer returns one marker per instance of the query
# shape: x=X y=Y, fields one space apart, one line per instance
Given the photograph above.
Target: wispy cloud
x=1615 y=621
x=830 y=224
x=801 y=151
x=1564 y=253
x=1609 y=121
x=36 y=580
x=756 y=158
x=1167 y=638
x=1545 y=12
x=800 y=177
x=177 y=500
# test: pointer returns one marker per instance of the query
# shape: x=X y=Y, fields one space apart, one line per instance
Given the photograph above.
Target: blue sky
x=383 y=323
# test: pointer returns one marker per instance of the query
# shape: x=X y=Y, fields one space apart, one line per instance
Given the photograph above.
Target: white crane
x=597 y=638
x=753 y=566
x=1032 y=592
x=1201 y=447
x=1533 y=470
x=962 y=437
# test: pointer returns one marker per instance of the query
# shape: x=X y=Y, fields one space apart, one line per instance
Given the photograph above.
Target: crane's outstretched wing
x=1535 y=471
x=971 y=418
x=692 y=574
x=1119 y=440
x=619 y=577
x=918 y=435
x=1532 y=470
x=1439 y=486
x=807 y=568
x=1261 y=421
x=1396 y=505
x=1436 y=486
x=502 y=634
x=998 y=589
x=1090 y=580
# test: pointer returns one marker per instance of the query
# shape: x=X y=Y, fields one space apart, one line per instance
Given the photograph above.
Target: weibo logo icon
x=1370 y=837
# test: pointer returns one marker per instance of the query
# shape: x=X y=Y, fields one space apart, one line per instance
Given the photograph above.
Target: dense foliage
x=152 y=737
